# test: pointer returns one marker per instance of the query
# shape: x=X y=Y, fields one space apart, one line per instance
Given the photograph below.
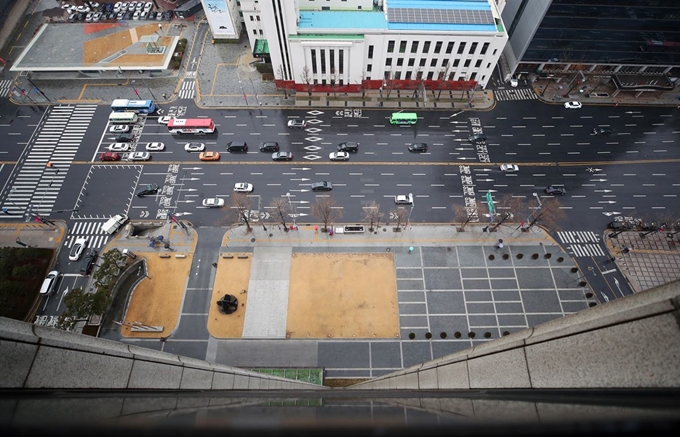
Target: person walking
x=500 y=243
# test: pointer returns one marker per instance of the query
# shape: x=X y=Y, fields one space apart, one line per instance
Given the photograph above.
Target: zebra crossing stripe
x=586 y=250
x=515 y=94
x=5 y=87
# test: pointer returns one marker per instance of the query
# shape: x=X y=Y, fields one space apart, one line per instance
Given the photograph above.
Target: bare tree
x=335 y=83
x=549 y=215
x=389 y=82
x=281 y=77
x=401 y=214
x=507 y=208
x=241 y=203
x=362 y=84
x=441 y=81
x=306 y=77
x=324 y=210
x=461 y=216
x=373 y=215
x=281 y=209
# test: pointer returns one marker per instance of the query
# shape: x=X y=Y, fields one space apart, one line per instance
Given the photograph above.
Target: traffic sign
x=489 y=201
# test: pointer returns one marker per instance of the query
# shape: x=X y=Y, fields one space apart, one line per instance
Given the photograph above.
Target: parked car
x=73 y=17
x=148 y=6
x=138 y=156
x=209 y=156
x=403 y=199
x=194 y=147
x=109 y=156
x=155 y=146
x=555 y=190
x=339 y=156
x=573 y=105
x=322 y=186
x=213 y=202
x=269 y=146
x=148 y=190
x=282 y=156
x=125 y=138
x=96 y=17
x=297 y=123
x=132 y=6
x=88 y=17
x=242 y=187
x=143 y=15
x=77 y=249
x=135 y=15
x=509 y=168
x=152 y=15
x=88 y=262
x=417 y=147
x=119 y=129
x=119 y=147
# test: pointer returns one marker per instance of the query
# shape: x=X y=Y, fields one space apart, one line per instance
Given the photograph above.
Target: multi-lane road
x=630 y=172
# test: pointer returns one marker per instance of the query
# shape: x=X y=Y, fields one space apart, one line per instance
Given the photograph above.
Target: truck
x=114 y=223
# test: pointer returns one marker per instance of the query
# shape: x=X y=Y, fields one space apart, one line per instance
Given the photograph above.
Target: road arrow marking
x=303 y=179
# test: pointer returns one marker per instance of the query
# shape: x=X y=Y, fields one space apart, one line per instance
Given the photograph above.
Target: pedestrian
x=500 y=244
x=214 y=264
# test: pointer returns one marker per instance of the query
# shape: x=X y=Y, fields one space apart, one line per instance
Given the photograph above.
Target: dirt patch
x=100 y=48
x=342 y=296
x=156 y=301
x=232 y=277
x=98 y=27
x=145 y=59
x=97 y=49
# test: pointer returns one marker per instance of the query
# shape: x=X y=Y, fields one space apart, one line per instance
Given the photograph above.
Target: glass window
x=370 y=52
x=438 y=47
x=390 y=47
x=485 y=47
x=461 y=48
x=402 y=47
x=422 y=62
x=430 y=75
x=414 y=47
x=467 y=63
x=400 y=62
x=449 y=48
x=369 y=67
x=433 y=63
x=388 y=61
x=426 y=47
x=312 y=53
x=408 y=75
x=411 y=62
x=478 y=63
x=473 y=47
x=456 y=62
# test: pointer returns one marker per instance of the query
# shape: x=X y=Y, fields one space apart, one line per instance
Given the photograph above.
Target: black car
x=602 y=131
x=128 y=15
x=167 y=15
x=348 y=147
x=269 y=146
x=322 y=186
x=148 y=190
x=124 y=138
x=81 y=16
x=151 y=16
x=88 y=262
x=417 y=147
x=555 y=190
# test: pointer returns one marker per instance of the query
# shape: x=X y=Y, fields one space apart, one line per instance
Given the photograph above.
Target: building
x=224 y=19
x=635 y=44
x=350 y=44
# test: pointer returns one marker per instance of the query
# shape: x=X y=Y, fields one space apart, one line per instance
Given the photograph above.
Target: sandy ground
x=342 y=296
x=157 y=301
x=232 y=277
x=97 y=49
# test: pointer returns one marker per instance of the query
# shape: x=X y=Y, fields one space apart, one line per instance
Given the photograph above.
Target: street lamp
x=292 y=207
x=538 y=199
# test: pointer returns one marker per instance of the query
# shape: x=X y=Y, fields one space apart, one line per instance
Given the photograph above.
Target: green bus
x=403 y=118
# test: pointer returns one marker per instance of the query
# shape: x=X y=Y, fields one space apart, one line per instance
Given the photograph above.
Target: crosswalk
x=188 y=89
x=515 y=94
x=92 y=230
x=5 y=87
x=581 y=243
x=35 y=187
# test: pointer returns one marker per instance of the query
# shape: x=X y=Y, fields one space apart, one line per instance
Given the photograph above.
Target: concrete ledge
x=18 y=331
x=147 y=374
x=196 y=379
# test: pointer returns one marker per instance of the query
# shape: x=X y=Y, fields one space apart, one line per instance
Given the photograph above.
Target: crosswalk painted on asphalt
x=35 y=187
x=188 y=89
x=5 y=87
x=581 y=243
x=92 y=230
x=515 y=94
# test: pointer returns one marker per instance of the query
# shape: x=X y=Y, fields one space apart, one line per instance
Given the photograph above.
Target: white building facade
x=223 y=18
x=350 y=42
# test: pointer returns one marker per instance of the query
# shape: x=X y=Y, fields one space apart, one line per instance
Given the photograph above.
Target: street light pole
x=538 y=199
x=292 y=207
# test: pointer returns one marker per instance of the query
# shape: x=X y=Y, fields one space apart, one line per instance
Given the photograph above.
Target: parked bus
x=138 y=106
x=403 y=118
x=191 y=126
x=123 y=118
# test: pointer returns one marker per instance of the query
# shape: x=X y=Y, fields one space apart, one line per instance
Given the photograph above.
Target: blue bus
x=138 y=106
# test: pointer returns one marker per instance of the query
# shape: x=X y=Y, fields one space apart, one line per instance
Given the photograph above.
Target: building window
x=478 y=63
x=430 y=75
x=419 y=75
x=400 y=62
x=370 y=52
x=494 y=51
x=388 y=61
x=485 y=47
x=341 y=60
x=390 y=47
x=254 y=31
x=422 y=62
x=369 y=68
x=461 y=48
x=414 y=47
x=408 y=75
x=412 y=62
x=473 y=47
x=312 y=53
x=402 y=47
x=456 y=62
x=331 y=55
x=449 y=48
x=438 y=47
x=257 y=18
x=426 y=47
x=433 y=63
x=323 y=61
x=467 y=63
x=252 y=18
x=397 y=75
x=488 y=65
x=261 y=32
x=473 y=76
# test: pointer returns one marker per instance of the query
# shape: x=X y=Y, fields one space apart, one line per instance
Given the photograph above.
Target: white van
x=50 y=283
x=114 y=223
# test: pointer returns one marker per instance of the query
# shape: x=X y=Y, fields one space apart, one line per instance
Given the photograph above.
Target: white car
x=403 y=199
x=155 y=146
x=339 y=156
x=96 y=17
x=88 y=17
x=242 y=187
x=194 y=147
x=213 y=202
x=573 y=105
x=138 y=156
x=136 y=15
x=77 y=249
x=119 y=129
x=514 y=82
x=509 y=168
x=119 y=147
x=116 y=7
x=148 y=6
x=165 y=119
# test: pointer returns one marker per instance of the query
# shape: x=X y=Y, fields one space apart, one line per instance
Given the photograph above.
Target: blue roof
x=482 y=5
x=341 y=20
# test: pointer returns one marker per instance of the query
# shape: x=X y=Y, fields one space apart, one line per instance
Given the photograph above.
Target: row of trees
x=508 y=209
